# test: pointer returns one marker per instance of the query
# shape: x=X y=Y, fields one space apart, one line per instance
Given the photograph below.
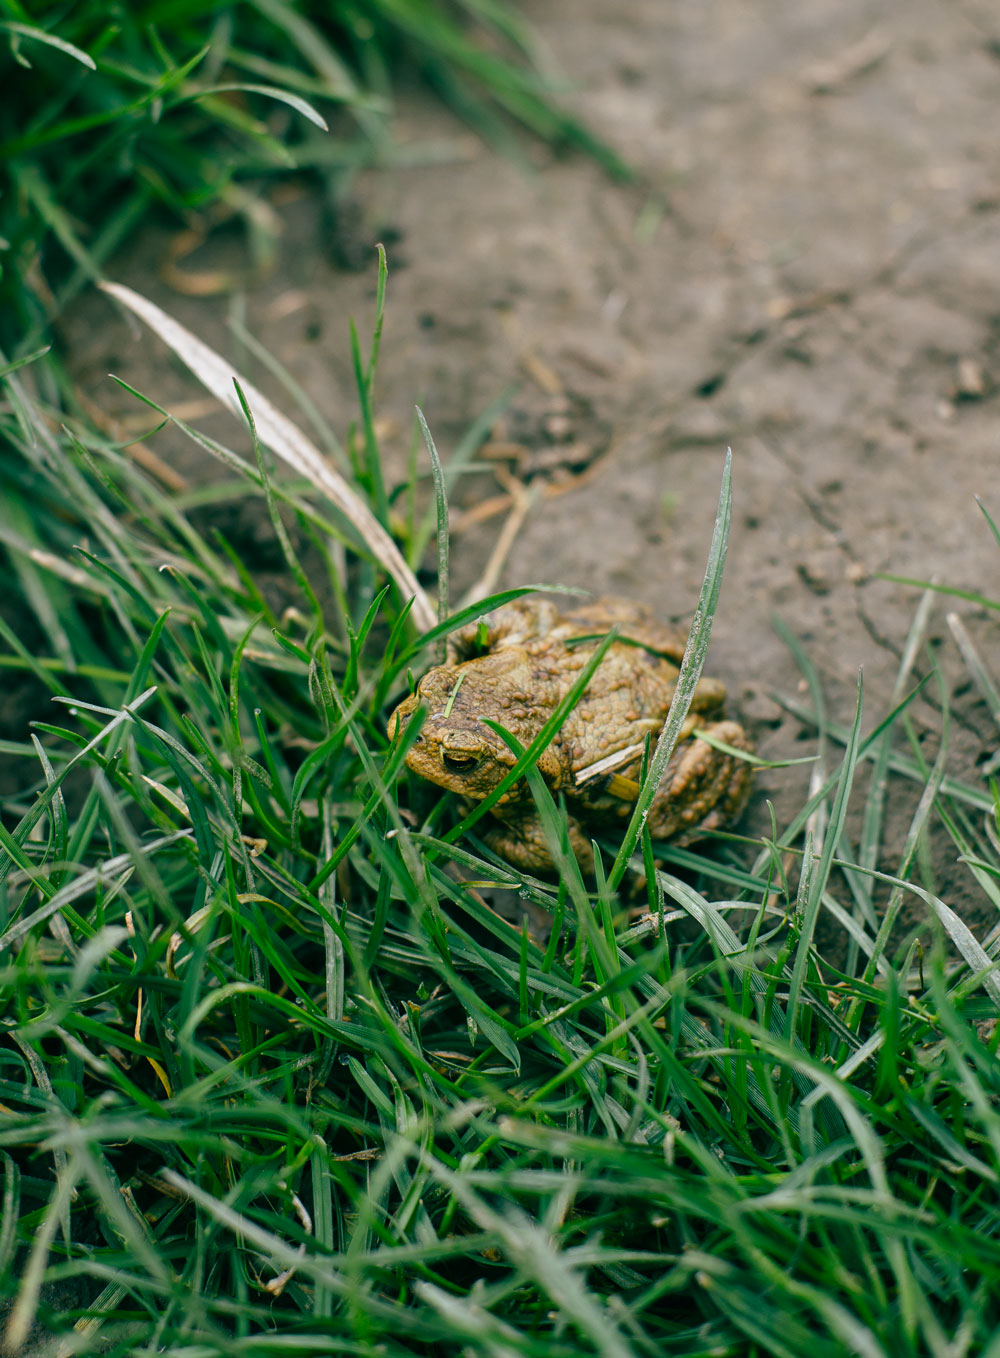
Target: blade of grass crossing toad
x=687 y=679
x=545 y=735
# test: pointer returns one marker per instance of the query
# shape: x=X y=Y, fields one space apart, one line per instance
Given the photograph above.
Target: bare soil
x=806 y=269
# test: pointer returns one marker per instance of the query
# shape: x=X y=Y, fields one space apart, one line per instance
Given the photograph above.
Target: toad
x=514 y=666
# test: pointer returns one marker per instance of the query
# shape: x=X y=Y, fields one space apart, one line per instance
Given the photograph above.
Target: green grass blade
x=687 y=680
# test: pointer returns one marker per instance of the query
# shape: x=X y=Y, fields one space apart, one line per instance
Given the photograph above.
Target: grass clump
x=193 y=108
x=274 y=1075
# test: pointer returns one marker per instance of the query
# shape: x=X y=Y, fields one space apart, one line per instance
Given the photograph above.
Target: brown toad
x=514 y=667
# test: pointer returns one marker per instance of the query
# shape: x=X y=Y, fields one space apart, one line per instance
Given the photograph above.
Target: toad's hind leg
x=703 y=788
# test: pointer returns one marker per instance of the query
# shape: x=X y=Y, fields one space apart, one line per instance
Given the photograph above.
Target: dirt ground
x=807 y=270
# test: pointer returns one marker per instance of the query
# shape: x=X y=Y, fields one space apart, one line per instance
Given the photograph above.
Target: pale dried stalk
x=283 y=438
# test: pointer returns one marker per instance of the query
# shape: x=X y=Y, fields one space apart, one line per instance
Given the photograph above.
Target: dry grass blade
x=522 y=501
x=283 y=438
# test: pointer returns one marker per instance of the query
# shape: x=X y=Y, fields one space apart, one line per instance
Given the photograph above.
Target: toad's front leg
x=521 y=841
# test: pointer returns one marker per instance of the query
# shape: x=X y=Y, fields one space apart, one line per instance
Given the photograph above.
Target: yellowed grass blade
x=283 y=438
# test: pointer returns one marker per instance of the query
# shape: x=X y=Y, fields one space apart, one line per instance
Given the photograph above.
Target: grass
x=276 y=1079
x=194 y=109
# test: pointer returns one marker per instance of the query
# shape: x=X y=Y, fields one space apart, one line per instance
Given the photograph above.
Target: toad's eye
x=459 y=763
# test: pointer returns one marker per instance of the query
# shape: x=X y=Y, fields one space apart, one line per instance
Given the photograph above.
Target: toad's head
x=455 y=748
